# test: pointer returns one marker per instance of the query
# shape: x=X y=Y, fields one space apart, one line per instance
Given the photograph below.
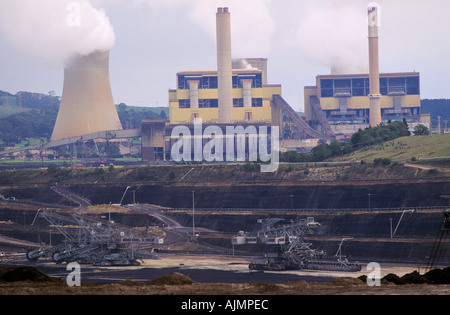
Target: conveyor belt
x=109 y=135
x=317 y=110
x=305 y=129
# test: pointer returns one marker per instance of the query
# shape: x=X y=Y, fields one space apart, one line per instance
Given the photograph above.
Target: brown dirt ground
x=19 y=280
x=339 y=286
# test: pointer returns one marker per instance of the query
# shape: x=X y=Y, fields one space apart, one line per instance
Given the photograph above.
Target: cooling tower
x=374 y=71
x=224 y=66
x=87 y=104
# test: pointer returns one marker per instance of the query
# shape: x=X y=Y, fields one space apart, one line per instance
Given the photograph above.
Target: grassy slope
x=403 y=149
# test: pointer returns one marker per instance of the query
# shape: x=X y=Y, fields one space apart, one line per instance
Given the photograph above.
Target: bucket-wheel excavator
x=295 y=253
x=91 y=241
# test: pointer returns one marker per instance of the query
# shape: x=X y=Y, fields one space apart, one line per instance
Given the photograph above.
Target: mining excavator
x=91 y=241
x=295 y=253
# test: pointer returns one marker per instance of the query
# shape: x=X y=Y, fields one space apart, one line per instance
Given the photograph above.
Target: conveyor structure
x=306 y=131
x=295 y=252
x=91 y=241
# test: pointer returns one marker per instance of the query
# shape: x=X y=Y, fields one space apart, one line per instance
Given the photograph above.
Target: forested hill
x=28 y=116
x=437 y=107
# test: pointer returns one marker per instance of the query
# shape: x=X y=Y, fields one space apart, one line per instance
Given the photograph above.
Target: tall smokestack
x=87 y=104
x=374 y=71
x=224 y=65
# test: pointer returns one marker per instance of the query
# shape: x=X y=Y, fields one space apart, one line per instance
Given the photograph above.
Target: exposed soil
x=255 y=195
x=30 y=281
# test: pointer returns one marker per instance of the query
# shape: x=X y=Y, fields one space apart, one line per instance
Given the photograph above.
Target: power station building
x=344 y=100
x=346 y=103
x=197 y=97
x=235 y=94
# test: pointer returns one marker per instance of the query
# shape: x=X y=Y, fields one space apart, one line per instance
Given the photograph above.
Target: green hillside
x=26 y=116
x=403 y=149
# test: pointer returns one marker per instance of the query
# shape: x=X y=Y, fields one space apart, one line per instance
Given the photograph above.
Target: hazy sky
x=151 y=40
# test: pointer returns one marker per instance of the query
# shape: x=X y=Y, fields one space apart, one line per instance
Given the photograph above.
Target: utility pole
x=390 y=219
x=439 y=125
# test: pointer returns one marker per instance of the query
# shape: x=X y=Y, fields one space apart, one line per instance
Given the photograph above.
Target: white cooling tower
x=224 y=65
x=87 y=104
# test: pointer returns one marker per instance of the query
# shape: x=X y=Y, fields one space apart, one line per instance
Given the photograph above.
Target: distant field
x=403 y=149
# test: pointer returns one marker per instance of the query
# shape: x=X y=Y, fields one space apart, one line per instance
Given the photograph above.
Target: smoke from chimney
x=333 y=34
x=252 y=28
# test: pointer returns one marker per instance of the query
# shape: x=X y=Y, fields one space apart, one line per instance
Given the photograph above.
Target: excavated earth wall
x=305 y=195
x=327 y=202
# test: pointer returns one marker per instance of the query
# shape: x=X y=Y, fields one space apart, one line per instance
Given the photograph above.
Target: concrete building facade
x=345 y=102
x=197 y=96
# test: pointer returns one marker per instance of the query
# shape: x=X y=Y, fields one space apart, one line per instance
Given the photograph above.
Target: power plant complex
x=350 y=102
x=115 y=197
x=238 y=93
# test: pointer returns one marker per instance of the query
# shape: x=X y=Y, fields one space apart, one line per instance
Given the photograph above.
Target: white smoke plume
x=54 y=31
x=252 y=25
x=334 y=34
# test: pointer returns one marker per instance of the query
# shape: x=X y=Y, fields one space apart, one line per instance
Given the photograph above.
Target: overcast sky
x=151 y=40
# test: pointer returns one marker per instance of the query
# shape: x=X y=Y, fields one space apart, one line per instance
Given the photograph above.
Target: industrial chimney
x=87 y=104
x=224 y=65
x=374 y=71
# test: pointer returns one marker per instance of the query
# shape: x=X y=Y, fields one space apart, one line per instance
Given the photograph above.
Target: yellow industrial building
x=196 y=96
x=345 y=104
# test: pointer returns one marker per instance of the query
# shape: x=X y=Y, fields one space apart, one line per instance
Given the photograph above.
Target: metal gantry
x=295 y=252
x=291 y=229
x=88 y=240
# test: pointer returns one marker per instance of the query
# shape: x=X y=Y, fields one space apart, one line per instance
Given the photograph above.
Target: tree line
x=436 y=107
x=39 y=115
x=363 y=138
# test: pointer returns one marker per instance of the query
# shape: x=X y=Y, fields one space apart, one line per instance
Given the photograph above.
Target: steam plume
x=334 y=34
x=54 y=31
x=252 y=25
